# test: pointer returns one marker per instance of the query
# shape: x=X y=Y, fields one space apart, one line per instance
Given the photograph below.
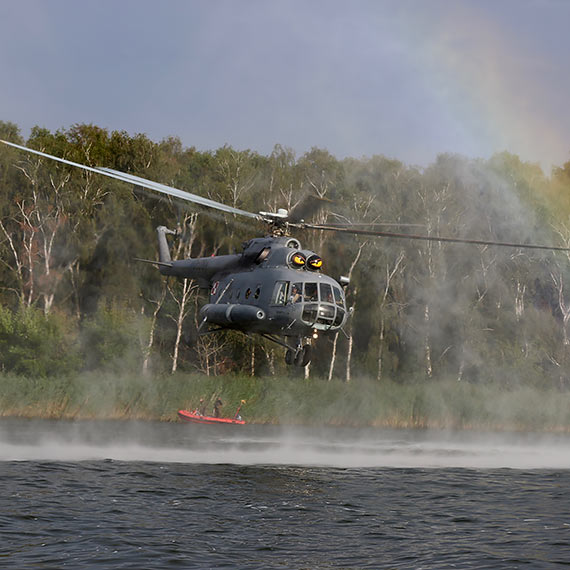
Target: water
x=144 y=495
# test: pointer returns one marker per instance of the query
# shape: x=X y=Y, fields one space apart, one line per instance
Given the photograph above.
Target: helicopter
x=274 y=288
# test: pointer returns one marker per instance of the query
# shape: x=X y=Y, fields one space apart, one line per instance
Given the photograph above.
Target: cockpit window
x=296 y=294
x=323 y=306
x=311 y=294
x=326 y=293
x=338 y=297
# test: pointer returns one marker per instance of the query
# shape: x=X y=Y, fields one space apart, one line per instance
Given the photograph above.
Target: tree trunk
x=349 y=356
x=182 y=312
x=148 y=349
x=381 y=348
x=333 y=357
x=389 y=276
x=427 y=343
x=354 y=295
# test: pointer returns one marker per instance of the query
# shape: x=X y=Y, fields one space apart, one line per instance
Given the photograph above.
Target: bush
x=35 y=344
x=110 y=341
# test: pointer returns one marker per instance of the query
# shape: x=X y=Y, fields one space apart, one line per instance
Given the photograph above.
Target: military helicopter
x=274 y=288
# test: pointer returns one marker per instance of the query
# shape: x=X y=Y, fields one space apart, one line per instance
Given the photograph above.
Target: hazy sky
x=404 y=78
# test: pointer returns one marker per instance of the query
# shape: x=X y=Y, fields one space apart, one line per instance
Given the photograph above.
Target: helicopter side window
x=247 y=293
x=280 y=293
x=326 y=293
x=311 y=294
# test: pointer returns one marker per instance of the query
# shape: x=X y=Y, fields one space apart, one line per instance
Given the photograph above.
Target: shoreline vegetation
x=442 y=404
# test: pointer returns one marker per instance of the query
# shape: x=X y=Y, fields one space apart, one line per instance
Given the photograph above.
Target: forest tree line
x=73 y=297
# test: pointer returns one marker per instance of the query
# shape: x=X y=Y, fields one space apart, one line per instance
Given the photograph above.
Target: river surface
x=150 y=495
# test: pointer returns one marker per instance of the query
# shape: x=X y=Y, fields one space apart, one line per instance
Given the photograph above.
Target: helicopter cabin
x=286 y=284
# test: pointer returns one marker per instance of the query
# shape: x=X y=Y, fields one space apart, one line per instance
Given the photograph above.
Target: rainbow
x=497 y=91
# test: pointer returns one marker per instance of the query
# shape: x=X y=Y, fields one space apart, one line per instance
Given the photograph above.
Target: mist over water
x=60 y=441
x=110 y=494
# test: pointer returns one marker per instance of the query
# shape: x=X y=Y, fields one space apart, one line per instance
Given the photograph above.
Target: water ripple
x=92 y=512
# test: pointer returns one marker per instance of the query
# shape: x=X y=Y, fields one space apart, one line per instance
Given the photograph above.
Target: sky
x=407 y=79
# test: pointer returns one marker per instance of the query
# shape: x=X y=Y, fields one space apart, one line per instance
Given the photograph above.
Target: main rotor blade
x=378 y=233
x=189 y=197
x=138 y=181
x=309 y=205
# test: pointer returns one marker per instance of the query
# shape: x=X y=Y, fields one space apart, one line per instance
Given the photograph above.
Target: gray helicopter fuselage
x=272 y=287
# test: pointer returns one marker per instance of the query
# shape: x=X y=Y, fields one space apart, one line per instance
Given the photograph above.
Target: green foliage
x=278 y=400
x=10 y=132
x=110 y=340
x=37 y=345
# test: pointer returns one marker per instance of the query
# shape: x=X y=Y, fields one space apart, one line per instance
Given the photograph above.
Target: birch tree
x=353 y=298
x=186 y=289
x=32 y=234
x=397 y=268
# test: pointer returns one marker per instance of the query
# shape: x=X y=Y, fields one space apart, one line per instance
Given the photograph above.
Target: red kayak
x=196 y=418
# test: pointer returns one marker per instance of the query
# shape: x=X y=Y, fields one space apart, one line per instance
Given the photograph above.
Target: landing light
x=298 y=260
x=314 y=262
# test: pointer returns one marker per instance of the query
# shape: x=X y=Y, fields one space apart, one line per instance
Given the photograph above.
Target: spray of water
x=264 y=445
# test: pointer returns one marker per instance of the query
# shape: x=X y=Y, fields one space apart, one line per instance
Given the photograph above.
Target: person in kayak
x=217 y=405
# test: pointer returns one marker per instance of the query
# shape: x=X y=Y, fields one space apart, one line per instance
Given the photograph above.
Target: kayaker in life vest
x=217 y=405
x=202 y=407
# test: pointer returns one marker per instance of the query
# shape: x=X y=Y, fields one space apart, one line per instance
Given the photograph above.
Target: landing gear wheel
x=289 y=357
x=303 y=356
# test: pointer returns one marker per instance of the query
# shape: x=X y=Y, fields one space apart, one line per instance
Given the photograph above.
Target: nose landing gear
x=301 y=356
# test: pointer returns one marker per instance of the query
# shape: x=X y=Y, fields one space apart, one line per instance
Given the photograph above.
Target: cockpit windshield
x=326 y=292
x=311 y=294
x=338 y=299
x=322 y=303
x=323 y=306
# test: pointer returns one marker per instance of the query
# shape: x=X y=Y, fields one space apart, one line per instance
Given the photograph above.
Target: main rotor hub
x=277 y=222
